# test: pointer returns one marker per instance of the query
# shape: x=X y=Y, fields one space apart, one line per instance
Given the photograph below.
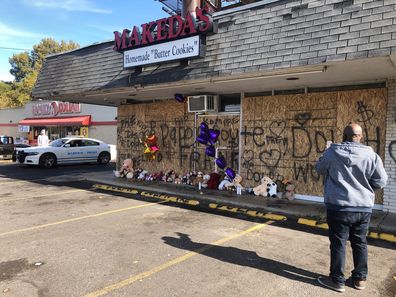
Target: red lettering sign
x=166 y=29
x=55 y=108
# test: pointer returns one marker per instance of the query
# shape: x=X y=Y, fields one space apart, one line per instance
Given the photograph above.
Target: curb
x=230 y=209
x=375 y=235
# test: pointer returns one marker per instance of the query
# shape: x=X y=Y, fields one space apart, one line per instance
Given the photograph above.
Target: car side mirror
x=67 y=145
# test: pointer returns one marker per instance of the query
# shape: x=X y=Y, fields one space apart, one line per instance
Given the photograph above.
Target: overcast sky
x=24 y=23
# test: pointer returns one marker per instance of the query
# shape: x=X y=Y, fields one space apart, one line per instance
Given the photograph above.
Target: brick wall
x=390 y=153
x=301 y=32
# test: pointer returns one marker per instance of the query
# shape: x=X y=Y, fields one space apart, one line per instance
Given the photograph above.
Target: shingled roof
x=254 y=38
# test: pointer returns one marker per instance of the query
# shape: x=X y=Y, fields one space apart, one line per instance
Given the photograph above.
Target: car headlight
x=31 y=153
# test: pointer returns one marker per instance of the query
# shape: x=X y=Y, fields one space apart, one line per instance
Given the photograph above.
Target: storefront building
x=279 y=79
x=59 y=119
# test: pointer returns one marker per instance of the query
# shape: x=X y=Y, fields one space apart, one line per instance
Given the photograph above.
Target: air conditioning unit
x=203 y=103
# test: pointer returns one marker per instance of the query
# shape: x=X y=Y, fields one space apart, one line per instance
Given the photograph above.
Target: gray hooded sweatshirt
x=352 y=172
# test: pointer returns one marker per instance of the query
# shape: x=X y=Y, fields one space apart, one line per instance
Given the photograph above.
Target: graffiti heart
x=270 y=158
x=277 y=127
x=302 y=118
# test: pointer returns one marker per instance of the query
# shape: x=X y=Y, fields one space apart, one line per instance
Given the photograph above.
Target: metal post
x=240 y=148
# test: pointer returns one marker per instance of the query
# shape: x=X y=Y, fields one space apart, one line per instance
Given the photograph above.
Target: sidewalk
x=382 y=226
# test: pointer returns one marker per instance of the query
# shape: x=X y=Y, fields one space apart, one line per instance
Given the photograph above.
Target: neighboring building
x=289 y=76
x=59 y=119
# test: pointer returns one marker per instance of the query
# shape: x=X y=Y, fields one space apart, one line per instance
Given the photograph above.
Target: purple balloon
x=179 y=98
x=204 y=135
x=201 y=140
x=214 y=135
x=203 y=126
x=221 y=162
x=210 y=151
x=230 y=173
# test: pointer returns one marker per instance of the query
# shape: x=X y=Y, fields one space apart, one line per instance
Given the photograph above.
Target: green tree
x=25 y=67
x=21 y=65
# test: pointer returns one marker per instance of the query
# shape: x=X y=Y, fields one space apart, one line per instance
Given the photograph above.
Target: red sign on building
x=54 y=108
x=164 y=30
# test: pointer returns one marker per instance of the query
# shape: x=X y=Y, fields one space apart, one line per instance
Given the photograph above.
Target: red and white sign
x=166 y=29
x=55 y=108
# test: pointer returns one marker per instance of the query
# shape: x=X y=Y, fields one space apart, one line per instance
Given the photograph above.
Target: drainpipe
x=189 y=6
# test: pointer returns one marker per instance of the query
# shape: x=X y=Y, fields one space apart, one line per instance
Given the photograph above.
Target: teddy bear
x=267 y=188
x=235 y=185
x=126 y=169
x=198 y=179
x=237 y=181
x=289 y=192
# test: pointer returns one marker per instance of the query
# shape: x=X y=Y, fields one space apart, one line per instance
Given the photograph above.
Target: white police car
x=66 y=151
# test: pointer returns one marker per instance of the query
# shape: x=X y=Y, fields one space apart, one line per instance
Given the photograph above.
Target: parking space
x=69 y=240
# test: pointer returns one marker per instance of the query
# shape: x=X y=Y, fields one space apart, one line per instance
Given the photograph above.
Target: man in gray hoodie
x=352 y=172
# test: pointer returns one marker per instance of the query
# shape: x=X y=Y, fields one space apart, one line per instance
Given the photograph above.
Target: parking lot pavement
x=66 y=239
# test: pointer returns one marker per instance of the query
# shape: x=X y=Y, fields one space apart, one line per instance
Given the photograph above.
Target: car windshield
x=58 y=142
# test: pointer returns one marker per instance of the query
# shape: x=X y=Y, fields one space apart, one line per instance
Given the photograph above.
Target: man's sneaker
x=359 y=284
x=328 y=282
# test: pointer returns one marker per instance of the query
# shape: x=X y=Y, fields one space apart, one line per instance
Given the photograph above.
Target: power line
x=13 y=48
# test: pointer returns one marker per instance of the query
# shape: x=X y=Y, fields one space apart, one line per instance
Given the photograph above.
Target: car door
x=91 y=150
x=72 y=152
x=6 y=147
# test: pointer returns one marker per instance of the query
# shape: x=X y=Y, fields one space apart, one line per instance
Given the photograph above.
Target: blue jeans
x=344 y=225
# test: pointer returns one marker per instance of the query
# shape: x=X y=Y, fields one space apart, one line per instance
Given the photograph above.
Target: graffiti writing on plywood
x=176 y=138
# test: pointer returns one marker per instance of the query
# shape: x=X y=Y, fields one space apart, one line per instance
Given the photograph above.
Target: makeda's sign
x=153 y=43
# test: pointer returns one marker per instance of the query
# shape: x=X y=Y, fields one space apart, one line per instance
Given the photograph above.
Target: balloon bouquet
x=150 y=147
x=209 y=137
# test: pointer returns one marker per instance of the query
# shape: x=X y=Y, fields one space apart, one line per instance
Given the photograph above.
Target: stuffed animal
x=272 y=190
x=198 y=179
x=157 y=176
x=142 y=175
x=126 y=169
x=214 y=181
x=267 y=188
x=149 y=177
x=225 y=184
x=185 y=179
x=178 y=180
x=206 y=178
x=237 y=181
x=192 y=176
x=289 y=193
x=137 y=172
x=169 y=177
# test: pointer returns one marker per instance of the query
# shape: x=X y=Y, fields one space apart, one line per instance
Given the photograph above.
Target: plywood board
x=285 y=137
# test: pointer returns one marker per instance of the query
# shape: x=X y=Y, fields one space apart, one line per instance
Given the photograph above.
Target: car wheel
x=104 y=158
x=48 y=161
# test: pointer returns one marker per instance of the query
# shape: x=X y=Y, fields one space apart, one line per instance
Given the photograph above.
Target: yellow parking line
x=173 y=262
x=45 y=195
x=77 y=219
